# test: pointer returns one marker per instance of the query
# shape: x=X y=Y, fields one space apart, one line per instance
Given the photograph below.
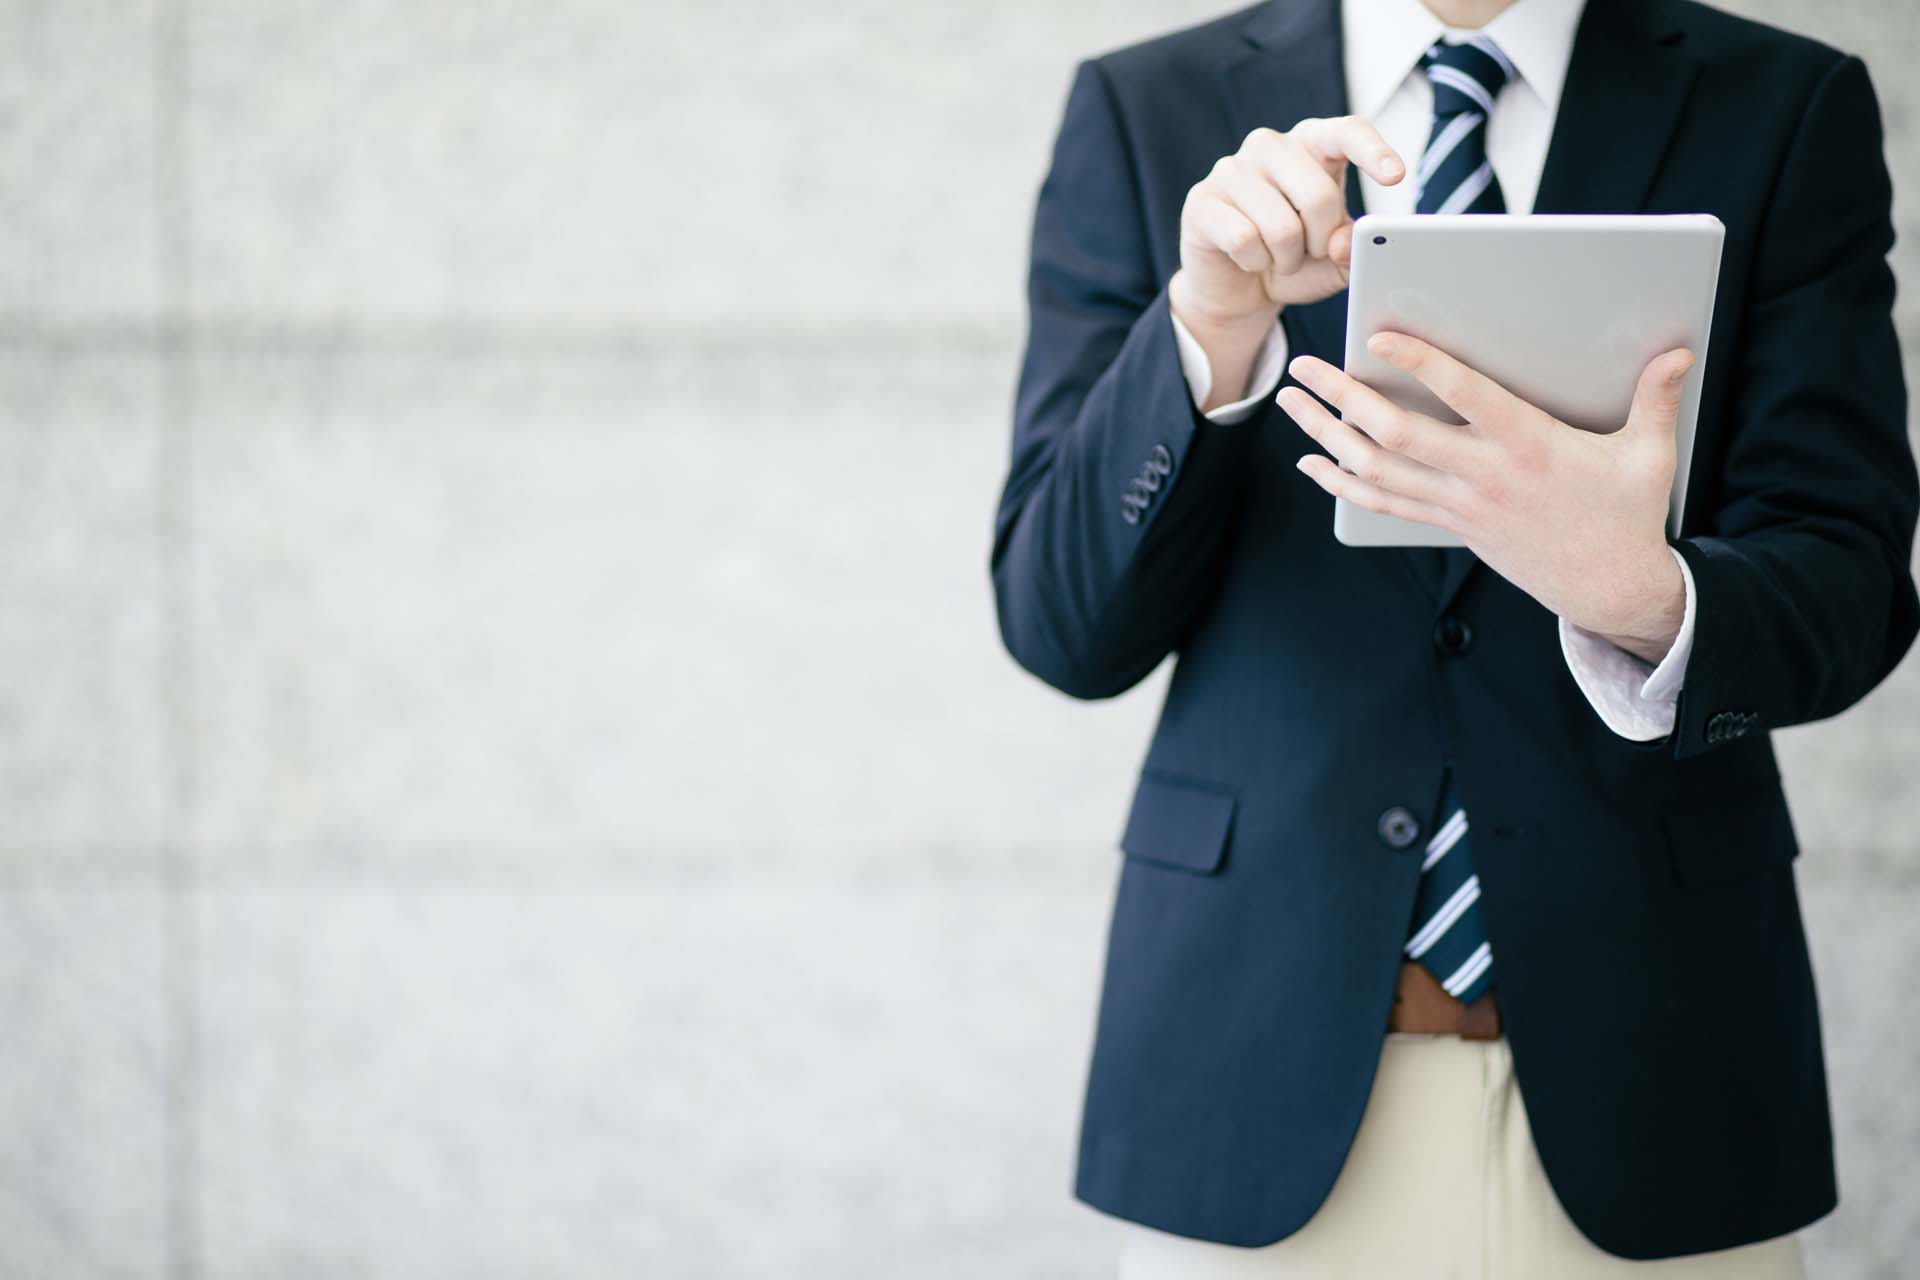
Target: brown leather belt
x=1421 y=1005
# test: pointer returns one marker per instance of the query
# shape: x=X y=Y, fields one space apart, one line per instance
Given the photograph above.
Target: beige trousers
x=1442 y=1183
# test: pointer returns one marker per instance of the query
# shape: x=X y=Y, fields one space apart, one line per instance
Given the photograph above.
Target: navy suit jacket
x=1640 y=898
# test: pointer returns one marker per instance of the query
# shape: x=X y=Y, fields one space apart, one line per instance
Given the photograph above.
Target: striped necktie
x=1455 y=175
x=1448 y=936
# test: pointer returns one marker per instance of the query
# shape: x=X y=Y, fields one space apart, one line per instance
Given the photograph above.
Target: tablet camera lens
x=1379 y=239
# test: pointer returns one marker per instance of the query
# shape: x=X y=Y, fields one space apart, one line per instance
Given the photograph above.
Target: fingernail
x=1301 y=466
x=1390 y=162
x=1381 y=344
x=1681 y=372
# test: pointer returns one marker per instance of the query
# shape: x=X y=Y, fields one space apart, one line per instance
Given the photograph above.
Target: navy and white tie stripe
x=1455 y=175
x=1448 y=936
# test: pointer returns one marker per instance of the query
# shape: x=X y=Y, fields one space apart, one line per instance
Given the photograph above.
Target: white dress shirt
x=1384 y=40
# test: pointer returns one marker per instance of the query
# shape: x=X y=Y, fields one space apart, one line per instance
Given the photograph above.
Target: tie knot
x=1467 y=76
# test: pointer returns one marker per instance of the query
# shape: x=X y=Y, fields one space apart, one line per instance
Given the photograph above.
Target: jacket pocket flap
x=1731 y=834
x=1179 y=823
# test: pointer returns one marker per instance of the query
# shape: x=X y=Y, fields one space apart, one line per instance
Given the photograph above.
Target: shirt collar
x=1384 y=39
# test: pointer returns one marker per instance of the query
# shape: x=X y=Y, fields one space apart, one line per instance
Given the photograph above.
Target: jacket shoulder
x=1199 y=49
x=1746 y=47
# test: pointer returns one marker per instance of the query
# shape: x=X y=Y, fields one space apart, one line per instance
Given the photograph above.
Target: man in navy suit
x=1456 y=932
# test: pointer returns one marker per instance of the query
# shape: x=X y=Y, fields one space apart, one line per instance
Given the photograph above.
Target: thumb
x=1656 y=401
x=1340 y=248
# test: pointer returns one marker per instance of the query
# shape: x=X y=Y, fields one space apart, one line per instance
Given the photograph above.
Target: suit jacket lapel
x=1626 y=87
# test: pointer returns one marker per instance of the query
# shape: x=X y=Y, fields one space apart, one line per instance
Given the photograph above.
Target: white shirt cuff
x=1267 y=368
x=1632 y=697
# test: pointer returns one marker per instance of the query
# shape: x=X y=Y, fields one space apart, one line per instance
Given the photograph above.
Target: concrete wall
x=507 y=766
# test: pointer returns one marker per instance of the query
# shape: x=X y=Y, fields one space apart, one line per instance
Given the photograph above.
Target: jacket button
x=1161 y=460
x=1452 y=636
x=1398 y=827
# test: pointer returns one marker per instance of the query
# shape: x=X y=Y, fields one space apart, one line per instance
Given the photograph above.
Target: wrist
x=1211 y=323
x=1229 y=344
x=1650 y=620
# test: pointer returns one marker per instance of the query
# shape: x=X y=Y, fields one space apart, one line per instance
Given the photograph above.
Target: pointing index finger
x=1345 y=138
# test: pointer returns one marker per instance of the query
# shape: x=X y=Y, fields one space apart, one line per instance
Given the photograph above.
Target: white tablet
x=1564 y=310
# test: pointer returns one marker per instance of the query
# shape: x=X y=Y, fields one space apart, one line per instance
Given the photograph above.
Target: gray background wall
x=507 y=768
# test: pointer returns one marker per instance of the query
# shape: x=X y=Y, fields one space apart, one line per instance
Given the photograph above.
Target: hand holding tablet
x=1526 y=387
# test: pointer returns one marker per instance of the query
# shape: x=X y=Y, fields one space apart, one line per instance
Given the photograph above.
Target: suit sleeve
x=1119 y=494
x=1806 y=594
